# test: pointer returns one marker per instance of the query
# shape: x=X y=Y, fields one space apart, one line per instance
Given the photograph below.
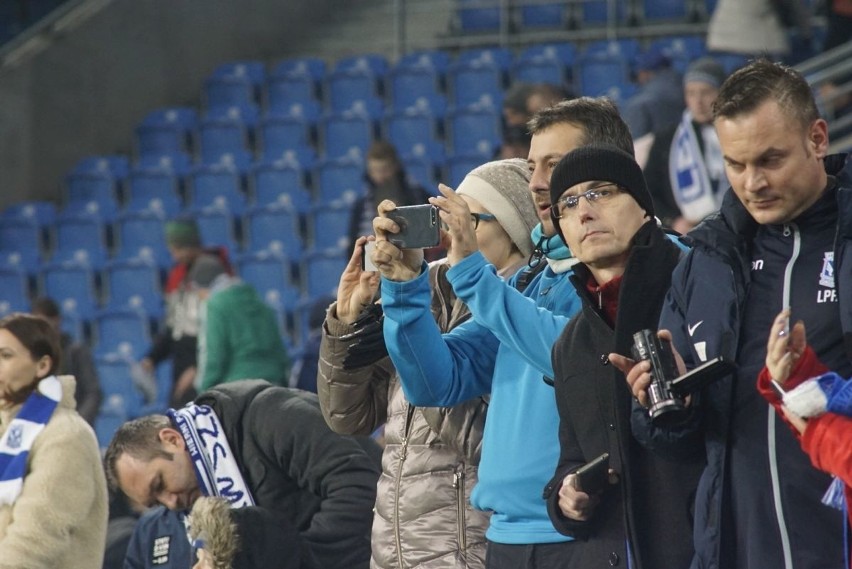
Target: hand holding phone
x=419 y=227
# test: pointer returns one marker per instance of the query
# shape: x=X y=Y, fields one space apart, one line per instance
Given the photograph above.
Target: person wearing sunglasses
x=640 y=519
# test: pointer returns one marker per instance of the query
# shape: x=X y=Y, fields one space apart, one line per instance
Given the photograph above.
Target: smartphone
x=776 y=387
x=366 y=259
x=419 y=227
x=593 y=476
x=709 y=371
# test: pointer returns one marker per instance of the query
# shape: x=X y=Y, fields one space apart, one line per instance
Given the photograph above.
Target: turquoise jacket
x=503 y=350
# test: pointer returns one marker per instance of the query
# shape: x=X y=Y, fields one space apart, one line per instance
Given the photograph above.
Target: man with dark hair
x=503 y=350
x=780 y=240
x=603 y=210
x=254 y=444
x=76 y=360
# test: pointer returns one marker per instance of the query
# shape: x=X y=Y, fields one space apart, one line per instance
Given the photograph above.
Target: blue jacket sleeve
x=435 y=370
x=513 y=318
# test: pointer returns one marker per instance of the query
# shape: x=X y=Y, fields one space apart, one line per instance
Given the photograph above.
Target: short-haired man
x=780 y=240
x=256 y=444
x=604 y=212
x=504 y=349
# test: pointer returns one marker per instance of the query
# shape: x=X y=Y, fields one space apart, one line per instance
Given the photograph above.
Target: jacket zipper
x=458 y=484
x=789 y=229
x=403 y=452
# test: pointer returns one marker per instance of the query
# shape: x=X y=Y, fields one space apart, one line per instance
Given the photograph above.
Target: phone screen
x=367 y=257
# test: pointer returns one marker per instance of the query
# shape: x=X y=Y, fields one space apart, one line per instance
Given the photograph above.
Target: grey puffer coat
x=423 y=517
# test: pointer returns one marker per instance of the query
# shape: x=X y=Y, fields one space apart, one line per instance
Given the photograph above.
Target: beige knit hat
x=502 y=187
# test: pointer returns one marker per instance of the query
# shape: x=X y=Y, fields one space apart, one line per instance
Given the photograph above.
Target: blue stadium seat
x=730 y=61
x=372 y=109
x=620 y=93
x=224 y=135
x=178 y=163
x=184 y=117
x=153 y=190
x=346 y=87
x=474 y=131
x=437 y=59
x=274 y=228
x=340 y=179
x=134 y=284
x=550 y=15
x=122 y=400
x=283 y=90
x=624 y=48
x=14 y=296
x=216 y=227
x=253 y=71
x=458 y=166
x=539 y=70
x=281 y=183
x=374 y=63
x=662 y=10
x=216 y=186
x=166 y=130
x=72 y=286
x=564 y=52
x=409 y=83
x=597 y=11
x=21 y=243
x=269 y=274
x=141 y=235
x=93 y=194
x=121 y=331
x=473 y=83
x=116 y=166
x=81 y=239
x=321 y=272
x=307 y=111
x=346 y=135
x=500 y=57
x=313 y=66
x=111 y=416
x=681 y=50
x=43 y=213
x=328 y=224
x=421 y=172
x=407 y=130
x=228 y=91
x=596 y=73
x=478 y=15
x=432 y=104
x=279 y=134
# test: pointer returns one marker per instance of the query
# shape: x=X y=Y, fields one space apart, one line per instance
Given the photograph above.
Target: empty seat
x=597 y=11
x=281 y=183
x=563 y=51
x=269 y=274
x=681 y=50
x=407 y=130
x=539 y=70
x=664 y=9
x=80 y=238
x=142 y=235
x=20 y=242
x=321 y=272
x=308 y=112
x=72 y=286
x=167 y=130
x=475 y=83
x=153 y=190
x=280 y=134
x=178 y=163
x=122 y=400
x=421 y=172
x=458 y=166
x=596 y=73
x=14 y=295
x=346 y=135
x=92 y=194
x=437 y=59
x=228 y=91
x=43 y=213
x=474 y=131
x=478 y=15
x=285 y=89
x=374 y=63
x=346 y=87
x=122 y=331
x=501 y=57
x=329 y=225
x=410 y=83
x=339 y=180
x=550 y=15
x=217 y=186
x=223 y=135
x=115 y=166
x=313 y=66
x=216 y=227
x=134 y=284
x=274 y=228
x=253 y=71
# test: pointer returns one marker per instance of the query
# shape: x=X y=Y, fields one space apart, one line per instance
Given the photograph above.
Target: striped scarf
x=16 y=442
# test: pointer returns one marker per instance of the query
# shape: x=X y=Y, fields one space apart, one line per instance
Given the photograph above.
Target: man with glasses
x=504 y=350
x=603 y=211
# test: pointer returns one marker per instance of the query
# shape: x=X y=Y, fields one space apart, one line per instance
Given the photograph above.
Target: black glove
x=370 y=345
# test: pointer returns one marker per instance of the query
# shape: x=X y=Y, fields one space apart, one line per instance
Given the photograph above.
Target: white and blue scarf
x=691 y=172
x=215 y=466
x=16 y=442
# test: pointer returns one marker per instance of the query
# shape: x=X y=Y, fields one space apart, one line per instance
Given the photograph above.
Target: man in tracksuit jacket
x=780 y=240
x=504 y=349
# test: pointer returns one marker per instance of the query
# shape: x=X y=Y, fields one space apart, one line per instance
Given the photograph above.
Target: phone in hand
x=593 y=476
x=419 y=227
x=366 y=260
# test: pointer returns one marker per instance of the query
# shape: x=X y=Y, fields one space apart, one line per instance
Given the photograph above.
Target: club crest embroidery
x=16 y=436
x=826 y=275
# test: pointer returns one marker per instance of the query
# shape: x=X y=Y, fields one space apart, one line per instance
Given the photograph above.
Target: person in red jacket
x=793 y=369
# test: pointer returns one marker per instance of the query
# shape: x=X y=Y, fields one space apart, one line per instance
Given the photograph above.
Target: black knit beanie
x=599 y=162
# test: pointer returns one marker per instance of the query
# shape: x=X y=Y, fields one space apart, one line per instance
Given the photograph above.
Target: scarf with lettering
x=691 y=172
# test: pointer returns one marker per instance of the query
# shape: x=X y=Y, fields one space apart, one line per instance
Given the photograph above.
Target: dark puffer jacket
x=423 y=512
x=324 y=483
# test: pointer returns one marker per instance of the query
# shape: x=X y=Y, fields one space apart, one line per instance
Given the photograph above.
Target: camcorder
x=667 y=390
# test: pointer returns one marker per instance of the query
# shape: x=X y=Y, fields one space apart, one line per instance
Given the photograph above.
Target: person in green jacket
x=239 y=336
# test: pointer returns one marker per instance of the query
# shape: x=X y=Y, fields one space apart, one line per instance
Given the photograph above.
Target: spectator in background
x=76 y=360
x=515 y=109
x=53 y=497
x=515 y=143
x=424 y=499
x=179 y=340
x=255 y=444
x=685 y=170
x=757 y=27
x=659 y=102
x=385 y=180
x=239 y=336
x=521 y=103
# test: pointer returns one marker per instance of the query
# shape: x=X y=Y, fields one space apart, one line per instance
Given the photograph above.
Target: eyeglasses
x=600 y=194
x=477 y=217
